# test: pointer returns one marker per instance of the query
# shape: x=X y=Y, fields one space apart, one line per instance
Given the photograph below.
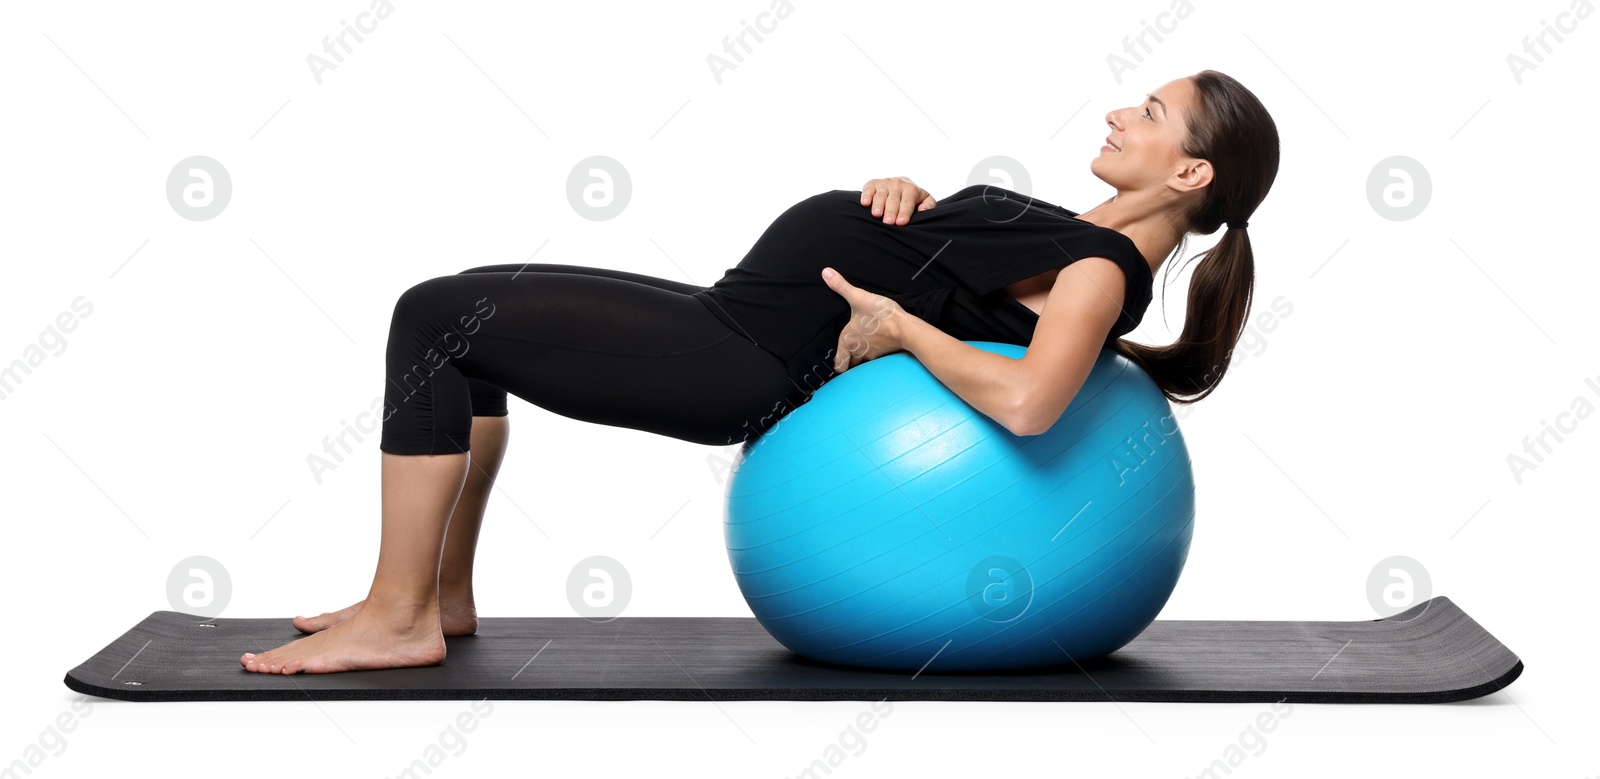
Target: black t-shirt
x=948 y=265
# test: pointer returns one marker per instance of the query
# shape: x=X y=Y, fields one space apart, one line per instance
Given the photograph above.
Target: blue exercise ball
x=886 y=524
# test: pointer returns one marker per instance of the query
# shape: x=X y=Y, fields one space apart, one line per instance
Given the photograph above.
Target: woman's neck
x=1148 y=227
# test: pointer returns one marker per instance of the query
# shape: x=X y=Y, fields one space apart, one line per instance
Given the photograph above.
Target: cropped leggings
x=603 y=346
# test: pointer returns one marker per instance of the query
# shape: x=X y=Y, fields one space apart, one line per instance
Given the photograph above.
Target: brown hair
x=1232 y=130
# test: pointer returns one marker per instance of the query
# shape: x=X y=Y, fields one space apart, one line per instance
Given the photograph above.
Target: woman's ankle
x=455 y=593
x=402 y=612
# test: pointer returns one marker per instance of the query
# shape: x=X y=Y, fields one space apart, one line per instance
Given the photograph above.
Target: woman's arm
x=989 y=382
x=994 y=384
x=1027 y=395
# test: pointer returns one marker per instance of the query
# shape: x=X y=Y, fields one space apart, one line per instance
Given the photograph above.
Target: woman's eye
x=1147 y=114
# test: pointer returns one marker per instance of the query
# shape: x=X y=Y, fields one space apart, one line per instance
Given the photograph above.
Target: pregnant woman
x=837 y=279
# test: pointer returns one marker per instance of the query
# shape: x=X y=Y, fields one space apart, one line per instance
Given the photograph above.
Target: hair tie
x=1239 y=225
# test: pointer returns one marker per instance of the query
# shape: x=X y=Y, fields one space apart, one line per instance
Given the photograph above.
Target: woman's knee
x=446 y=310
x=447 y=297
x=420 y=294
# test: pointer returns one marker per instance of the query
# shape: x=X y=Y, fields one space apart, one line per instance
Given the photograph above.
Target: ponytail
x=1219 y=302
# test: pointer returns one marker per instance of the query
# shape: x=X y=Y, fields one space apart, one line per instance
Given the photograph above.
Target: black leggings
x=604 y=346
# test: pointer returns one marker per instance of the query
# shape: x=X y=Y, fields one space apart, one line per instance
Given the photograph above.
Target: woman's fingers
x=894 y=205
x=895 y=199
x=869 y=191
x=891 y=206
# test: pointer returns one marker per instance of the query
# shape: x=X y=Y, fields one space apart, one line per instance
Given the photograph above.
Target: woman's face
x=1148 y=140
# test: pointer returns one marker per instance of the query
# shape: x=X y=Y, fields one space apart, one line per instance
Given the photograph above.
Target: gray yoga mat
x=1430 y=653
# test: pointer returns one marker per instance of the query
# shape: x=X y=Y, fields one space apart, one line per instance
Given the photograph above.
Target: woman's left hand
x=874 y=327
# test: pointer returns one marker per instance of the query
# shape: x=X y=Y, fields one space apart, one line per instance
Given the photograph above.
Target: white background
x=1375 y=420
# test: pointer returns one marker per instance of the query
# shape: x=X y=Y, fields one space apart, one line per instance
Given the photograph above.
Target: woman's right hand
x=895 y=198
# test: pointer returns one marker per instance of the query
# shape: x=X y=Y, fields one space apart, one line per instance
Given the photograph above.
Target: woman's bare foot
x=366 y=640
x=458 y=616
x=326 y=619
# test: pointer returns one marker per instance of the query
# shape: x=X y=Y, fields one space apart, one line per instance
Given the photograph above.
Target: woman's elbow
x=1031 y=417
x=1032 y=428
